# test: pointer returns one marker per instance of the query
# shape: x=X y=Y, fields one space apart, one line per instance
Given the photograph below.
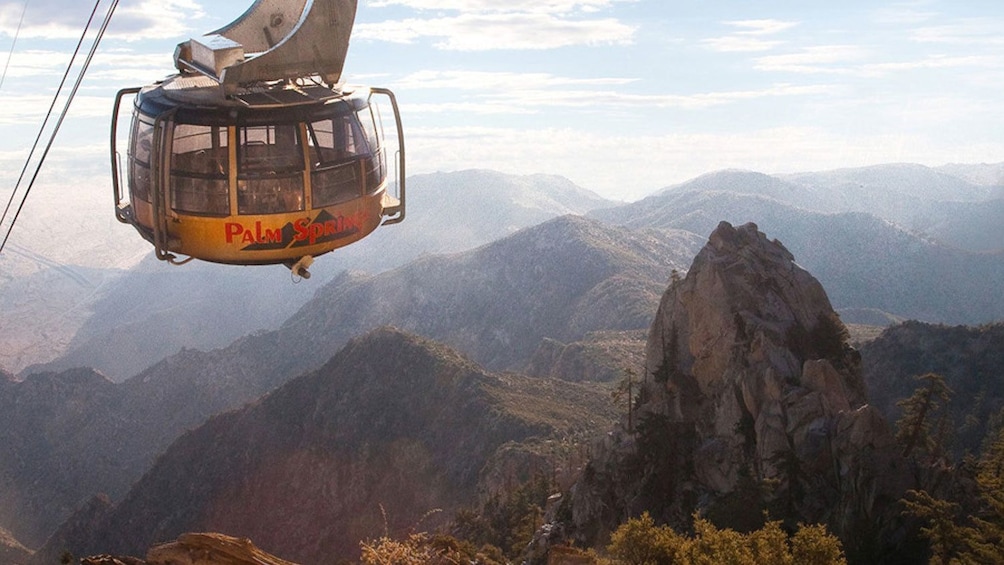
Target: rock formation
x=752 y=401
x=196 y=549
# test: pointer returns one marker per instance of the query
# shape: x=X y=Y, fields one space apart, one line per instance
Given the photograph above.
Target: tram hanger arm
x=291 y=39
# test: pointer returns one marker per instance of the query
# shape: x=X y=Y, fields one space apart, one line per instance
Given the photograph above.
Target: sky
x=623 y=97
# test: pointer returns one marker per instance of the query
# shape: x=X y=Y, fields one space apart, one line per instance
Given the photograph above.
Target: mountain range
x=893 y=222
x=392 y=426
x=121 y=322
x=560 y=280
x=557 y=298
x=866 y=263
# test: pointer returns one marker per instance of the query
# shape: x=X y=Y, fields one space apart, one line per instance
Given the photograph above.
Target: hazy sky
x=622 y=96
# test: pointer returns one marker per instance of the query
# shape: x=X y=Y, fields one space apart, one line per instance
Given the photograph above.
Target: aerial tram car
x=255 y=153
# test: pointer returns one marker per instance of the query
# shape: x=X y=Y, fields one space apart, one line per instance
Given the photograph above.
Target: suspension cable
x=17 y=34
x=48 y=114
x=66 y=108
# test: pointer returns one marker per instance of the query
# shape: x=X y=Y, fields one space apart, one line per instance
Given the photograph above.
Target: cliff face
x=752 y=401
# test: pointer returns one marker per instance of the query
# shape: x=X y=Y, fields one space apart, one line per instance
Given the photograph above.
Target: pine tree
x=986 y=537
x=626 y=387
x=980 y=538
x=914 y=429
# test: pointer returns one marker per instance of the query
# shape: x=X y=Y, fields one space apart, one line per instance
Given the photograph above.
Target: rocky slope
x=749 y=382
x=392 y=427
x=153 y=310
x=599 y=357
x=45 y=303
x=559 y=280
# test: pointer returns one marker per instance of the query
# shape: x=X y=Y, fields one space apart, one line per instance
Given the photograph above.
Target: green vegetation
x=974 y=537
x=625 y=388
x=640 y=542
x=825 y=340
x=971 y=361
x=506 y=521
x=914 y=429
x=423 y=549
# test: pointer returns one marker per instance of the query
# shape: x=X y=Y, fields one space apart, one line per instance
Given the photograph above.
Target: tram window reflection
x=270 y=170
x=139 y=158
x=200 y=164
x=338 y=150
x=375 y=166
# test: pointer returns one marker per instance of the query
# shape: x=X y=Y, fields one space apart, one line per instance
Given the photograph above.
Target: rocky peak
x=752 y=400
x=749 y=338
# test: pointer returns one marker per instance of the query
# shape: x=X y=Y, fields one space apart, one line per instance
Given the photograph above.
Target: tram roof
x=200 y=100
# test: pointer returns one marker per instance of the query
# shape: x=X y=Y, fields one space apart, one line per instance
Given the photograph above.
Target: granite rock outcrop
x=752 y=402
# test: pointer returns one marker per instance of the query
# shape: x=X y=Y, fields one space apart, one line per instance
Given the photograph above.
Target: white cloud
x=980 y=32
x=610 y=99
x=934 y=62
x=37 y=63
x=852 y=60
x=30 y=109
x=761 y=27
x=494 y=93
x=834 y=59
x=737 y=44
x=156 y=19
x=117 y=66
x=483 y=32
x=494 y=6
x=750 y=37
x=909 y=14
x=65 y=19
x=508 y=81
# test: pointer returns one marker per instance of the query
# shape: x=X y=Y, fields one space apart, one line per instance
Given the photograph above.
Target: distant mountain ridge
x=985 y=174
x=863 y=261
x=929 y=202
x=561 y=279
x=149 y=312
x=957 y=205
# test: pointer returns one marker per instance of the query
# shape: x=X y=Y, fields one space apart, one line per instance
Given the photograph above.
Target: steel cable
x=17 y=33
x=62 y=116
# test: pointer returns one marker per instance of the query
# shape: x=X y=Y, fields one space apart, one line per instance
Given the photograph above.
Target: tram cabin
x=270 y=175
